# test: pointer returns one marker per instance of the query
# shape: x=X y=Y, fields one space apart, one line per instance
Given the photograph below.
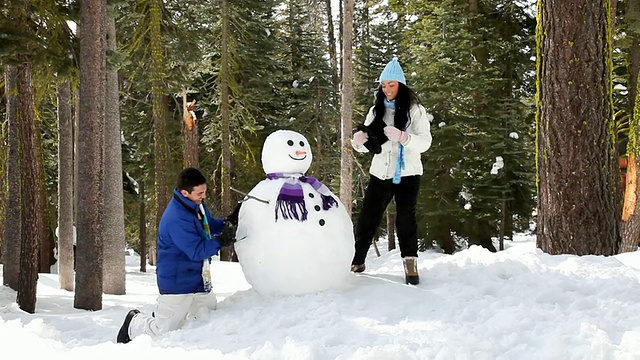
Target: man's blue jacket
x=183 y=246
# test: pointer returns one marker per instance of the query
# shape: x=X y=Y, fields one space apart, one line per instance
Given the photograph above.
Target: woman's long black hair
x=405 y=98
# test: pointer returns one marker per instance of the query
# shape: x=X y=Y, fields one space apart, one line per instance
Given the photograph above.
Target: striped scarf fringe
x=290 y=202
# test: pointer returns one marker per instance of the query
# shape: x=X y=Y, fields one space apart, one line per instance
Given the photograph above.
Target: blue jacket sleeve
x=187 y=237
x=217 y=225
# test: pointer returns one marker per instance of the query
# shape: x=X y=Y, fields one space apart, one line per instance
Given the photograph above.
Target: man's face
x=197 y=194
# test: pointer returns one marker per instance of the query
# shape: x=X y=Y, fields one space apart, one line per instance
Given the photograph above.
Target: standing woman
x=397 y=130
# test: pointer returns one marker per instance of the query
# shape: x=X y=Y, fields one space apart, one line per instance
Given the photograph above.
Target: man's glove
x=233 y=217
x=228 y=235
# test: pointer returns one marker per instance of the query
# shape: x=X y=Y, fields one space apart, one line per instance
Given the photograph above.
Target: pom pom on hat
x=393 y=72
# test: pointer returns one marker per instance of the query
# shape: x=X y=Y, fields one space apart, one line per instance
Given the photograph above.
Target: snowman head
x=286 y=151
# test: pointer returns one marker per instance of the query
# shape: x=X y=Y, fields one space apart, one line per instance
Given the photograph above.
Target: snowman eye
x=302 y=143
x=290 y=142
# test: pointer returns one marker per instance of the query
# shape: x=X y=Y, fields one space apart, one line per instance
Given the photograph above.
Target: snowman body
x=282 y=254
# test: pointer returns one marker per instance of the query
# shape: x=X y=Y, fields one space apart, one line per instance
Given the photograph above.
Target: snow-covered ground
x=516 y=304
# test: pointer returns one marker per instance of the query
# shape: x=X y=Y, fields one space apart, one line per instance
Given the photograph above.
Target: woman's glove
x=359 y=138
x=396 y=135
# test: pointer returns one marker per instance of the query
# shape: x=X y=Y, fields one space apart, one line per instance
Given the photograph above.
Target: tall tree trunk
x=391 y=229
x=46 y=242
x=228 y=253
x=3 y=168
x=332 y=47
x=142 y=229
x=481 y=234
x=90 y=164
x=65 y=187
x=341 y=11
x=630 y=224
x=190 y=135
x=346 y=159
x=113 y=281
x=503 y=222
x=577 y=168
x=159 y=99
x=30 y=199
x=318 y=154
x=507 y=94
x=76 y=125
x=12 y=234
x=443 y=234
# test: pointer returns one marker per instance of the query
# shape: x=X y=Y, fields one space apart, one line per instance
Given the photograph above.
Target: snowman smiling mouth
x=298 y=153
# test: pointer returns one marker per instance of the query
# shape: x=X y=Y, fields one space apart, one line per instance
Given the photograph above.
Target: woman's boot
x=411 y=270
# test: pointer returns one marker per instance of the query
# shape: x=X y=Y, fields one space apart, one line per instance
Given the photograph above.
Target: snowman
x=294 y=235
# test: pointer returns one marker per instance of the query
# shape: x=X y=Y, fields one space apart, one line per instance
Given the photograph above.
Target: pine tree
x=307 y=93
x=378 y=36
x=471 y=130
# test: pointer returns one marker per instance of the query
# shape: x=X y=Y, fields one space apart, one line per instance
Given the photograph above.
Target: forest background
x=202 y=83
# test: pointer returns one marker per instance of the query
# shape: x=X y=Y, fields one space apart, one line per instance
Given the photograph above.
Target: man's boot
x=123 y=334
x=411 y=270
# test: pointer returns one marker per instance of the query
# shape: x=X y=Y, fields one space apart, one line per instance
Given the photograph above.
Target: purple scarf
x=290 y=200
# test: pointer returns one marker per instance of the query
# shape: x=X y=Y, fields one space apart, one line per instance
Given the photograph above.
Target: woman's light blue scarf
x=391 y=104
x=399 y=165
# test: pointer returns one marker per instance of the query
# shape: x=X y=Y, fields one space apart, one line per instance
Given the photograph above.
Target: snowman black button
x=311 y=195
x=317 y=207
x=321 y=222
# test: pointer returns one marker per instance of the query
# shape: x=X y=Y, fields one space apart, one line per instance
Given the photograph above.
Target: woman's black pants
x=376 y=199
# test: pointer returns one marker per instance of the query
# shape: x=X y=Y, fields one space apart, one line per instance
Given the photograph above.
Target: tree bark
x=65 y=187
x=190 y=135
x=160 y=103
x=46 y=241
x=113 y=281
x=630 y=225
x=577 y=169
x=30 y=199
x=227 y=253
x=142 y=228
x=341 y=14
x=391 y=229
x=332 y=47
x=346 y=154
x=89 y=265
x=3 y=169
x=12 y=234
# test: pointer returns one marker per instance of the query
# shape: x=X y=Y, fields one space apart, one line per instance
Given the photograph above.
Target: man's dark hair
x=190 y=178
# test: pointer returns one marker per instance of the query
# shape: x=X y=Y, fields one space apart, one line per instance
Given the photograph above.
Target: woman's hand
x=396 y=135
x=359 y=138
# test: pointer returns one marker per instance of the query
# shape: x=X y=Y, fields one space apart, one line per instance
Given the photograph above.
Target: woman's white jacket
x=383 y=165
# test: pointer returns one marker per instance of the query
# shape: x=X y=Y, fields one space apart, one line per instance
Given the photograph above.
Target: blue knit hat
x=393 y=72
